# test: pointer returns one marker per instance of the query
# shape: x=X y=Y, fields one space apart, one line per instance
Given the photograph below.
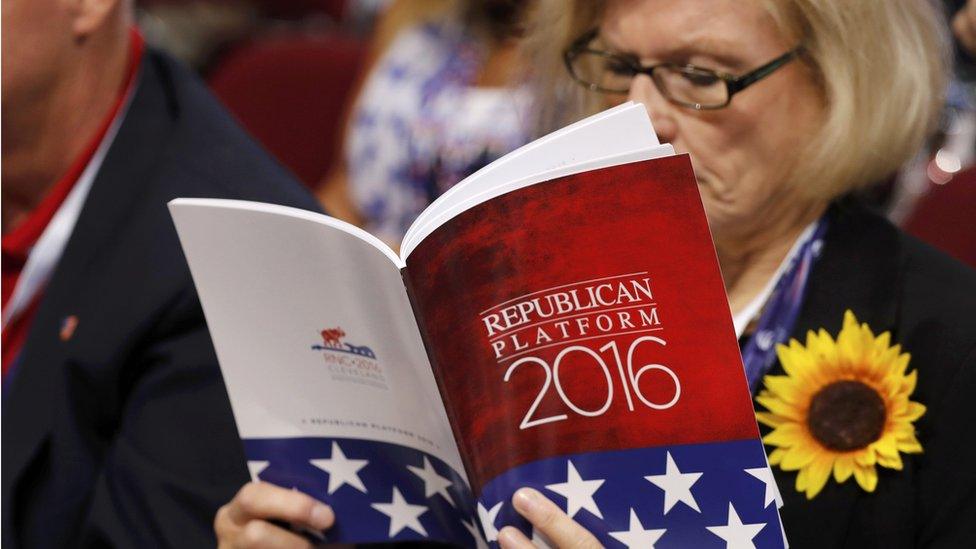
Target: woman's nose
x=661 y=111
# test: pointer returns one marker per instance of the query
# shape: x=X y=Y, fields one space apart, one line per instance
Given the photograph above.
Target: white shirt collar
x=752 y=309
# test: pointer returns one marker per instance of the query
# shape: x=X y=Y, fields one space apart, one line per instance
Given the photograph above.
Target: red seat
x=281 y=9
x=290 y=92
x=334 y=9
x=944 y=217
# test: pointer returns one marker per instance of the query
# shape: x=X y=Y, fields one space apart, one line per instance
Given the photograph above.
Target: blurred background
x=331 y=87
x=286 y=68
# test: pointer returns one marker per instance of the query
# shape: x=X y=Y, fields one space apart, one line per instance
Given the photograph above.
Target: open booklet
x=556 y=320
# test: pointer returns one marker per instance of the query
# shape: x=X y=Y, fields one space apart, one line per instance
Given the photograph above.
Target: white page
x=623 y=129
x=498 y=190
x=623 y=132
x=270 y=278
x=515 y=163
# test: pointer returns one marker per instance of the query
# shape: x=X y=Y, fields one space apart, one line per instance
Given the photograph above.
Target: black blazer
x=928 y=301
x=123 y=435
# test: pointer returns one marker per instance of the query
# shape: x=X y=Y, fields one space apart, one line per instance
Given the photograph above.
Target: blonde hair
x=881 y=66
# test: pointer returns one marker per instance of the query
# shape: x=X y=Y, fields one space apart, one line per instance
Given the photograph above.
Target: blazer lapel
x=859 y=270
x=29 y=405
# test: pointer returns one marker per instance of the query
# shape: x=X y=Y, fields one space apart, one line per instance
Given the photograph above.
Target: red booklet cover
x=579 y=333
x=565 y=332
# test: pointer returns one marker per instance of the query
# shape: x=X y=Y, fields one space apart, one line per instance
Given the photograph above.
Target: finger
x=512 y=538
x=259 y=533
x=224 y=527
x=551 y=521
x=262 y=500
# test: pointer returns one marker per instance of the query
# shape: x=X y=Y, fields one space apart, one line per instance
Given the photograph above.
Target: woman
x=786 y=107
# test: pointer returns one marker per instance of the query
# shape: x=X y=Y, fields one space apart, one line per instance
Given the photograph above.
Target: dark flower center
x=846 y=415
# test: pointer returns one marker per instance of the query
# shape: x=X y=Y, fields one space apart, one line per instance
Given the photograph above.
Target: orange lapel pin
x=68 y=327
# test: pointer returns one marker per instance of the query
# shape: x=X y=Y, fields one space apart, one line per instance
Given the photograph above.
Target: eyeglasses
x=685 y=85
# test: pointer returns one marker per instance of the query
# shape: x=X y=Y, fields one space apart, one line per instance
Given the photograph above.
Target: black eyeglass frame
x=733 y=84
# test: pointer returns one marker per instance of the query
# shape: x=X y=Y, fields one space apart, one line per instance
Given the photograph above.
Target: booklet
x=557 y=320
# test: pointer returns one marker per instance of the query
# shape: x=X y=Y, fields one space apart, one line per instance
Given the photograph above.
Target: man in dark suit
x=117 y=428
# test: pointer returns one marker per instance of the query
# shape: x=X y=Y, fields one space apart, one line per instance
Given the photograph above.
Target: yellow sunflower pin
x=843 y=406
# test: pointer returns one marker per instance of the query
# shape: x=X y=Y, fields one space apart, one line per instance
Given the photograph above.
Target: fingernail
x=322 y=516
x=527 y=502
x=508 y=537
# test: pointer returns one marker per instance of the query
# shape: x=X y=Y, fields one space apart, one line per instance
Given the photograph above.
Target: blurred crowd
x=360 y=100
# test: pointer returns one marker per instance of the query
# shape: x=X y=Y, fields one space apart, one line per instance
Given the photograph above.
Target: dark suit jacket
x=123 y=435
x=928 y=302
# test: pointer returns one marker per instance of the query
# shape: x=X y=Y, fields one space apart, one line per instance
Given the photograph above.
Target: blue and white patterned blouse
x=420 y=126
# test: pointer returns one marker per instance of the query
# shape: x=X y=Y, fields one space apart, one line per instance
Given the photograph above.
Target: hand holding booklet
x=556 y=320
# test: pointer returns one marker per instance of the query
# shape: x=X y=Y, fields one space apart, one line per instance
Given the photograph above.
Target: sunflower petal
x=911 y=446
x=785 y=388
x=867 y=336
x=886 y=446
x=843 y=468
x=770 y=420
x=867 y=477
x=818 y=473
x=796 y=458
x=786 y=358
x=780 y=408
x=796 y=360
x=801 y=480
x=865 y=458
x=903 y=431
x=901 y=363
x=847 y=346
x=908 y=382
x=814 y=341
x=787 y=434
x=887 y=362
x=881 y=344
x=914 y=410
x=776 y=456
x=891 y=462
x=823 y=346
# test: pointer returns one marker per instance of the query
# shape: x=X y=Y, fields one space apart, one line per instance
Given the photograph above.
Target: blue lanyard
x=779 y=316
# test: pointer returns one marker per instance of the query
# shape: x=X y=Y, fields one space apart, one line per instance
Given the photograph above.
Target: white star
x=676 y=486
x=541 y=541
x=255 y=468
x=402 y=514
x=578 y=492
x=487 y=519
x=341 y=470
x=472 y=529
x=433 y=483
x=765 y=474
x=736 y=534
x=636 y=535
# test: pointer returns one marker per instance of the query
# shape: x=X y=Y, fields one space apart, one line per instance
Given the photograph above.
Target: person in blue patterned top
x=436 y=107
